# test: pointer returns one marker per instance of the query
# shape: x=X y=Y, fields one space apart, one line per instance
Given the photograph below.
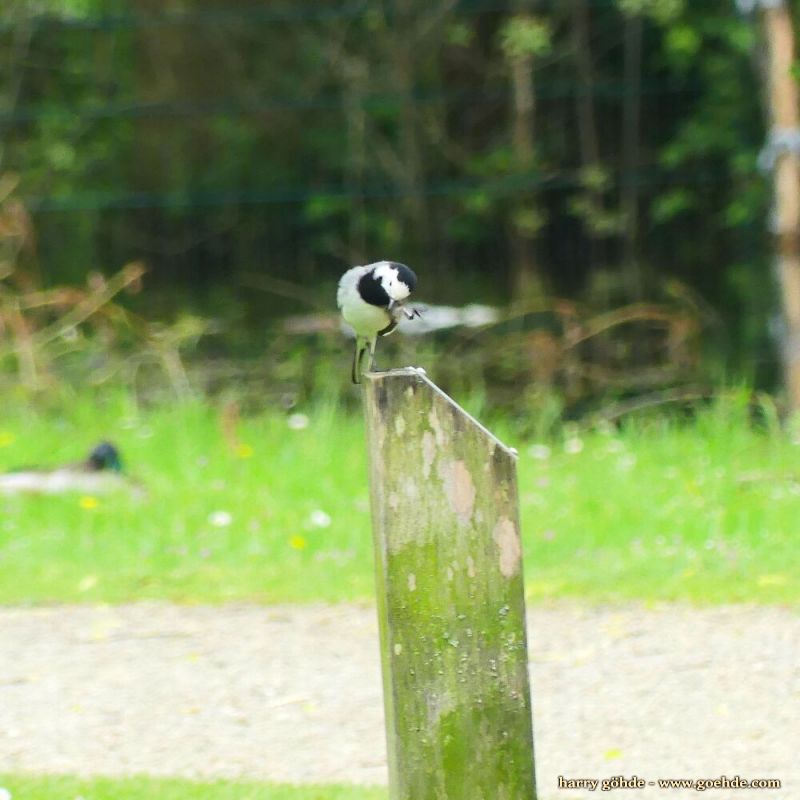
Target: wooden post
x=782 y=154
x=451 y=601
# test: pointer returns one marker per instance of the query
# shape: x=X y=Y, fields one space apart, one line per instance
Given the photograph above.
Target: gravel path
x=293 y=694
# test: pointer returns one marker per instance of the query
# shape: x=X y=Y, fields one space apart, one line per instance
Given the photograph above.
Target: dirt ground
x=294 y=694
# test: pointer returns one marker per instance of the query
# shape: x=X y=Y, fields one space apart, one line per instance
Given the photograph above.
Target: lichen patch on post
x=440 y=704
x=428 y=453
x=399 y=425
x=459 y=488
x=507 y=539
x=380 y=435
x=410 y=489
x=436 y=427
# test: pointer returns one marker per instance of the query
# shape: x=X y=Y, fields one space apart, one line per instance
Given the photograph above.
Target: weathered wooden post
x=451 y=600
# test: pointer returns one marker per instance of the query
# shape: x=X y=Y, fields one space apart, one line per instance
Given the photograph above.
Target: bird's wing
x=348 y=283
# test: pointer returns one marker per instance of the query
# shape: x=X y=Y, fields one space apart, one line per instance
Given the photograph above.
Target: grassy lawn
x=704 y=511
x=142 y=788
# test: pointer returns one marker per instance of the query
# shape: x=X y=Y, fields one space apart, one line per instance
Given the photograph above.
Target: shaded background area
x=588 y=167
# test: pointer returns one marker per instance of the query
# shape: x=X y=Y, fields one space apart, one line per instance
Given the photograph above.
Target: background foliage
x=601 y=152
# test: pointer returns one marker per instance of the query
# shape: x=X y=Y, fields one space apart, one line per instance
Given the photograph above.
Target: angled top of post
x=419 y=375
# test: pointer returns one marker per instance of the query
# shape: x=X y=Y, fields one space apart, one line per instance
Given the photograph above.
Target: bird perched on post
x=371 y=299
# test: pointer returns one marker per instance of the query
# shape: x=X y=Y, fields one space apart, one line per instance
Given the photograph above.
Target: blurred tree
x=782 y=156
x=524 y=38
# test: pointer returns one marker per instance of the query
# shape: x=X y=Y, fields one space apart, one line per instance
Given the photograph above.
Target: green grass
x=704 y=511
x=141 y=788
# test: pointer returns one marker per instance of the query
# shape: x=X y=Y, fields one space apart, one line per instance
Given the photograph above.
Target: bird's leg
x=358 y=355
x=354 y=369
x=372 y=344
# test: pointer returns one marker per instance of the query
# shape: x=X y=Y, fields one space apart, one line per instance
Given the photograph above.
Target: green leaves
x=663 y=11
x=525 y=37
x=682 y=43
x=671 y=204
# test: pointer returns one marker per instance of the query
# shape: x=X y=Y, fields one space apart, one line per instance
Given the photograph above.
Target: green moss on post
x=451 y=599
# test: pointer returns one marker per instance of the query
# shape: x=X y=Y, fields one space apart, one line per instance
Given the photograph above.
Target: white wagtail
x=371 y=301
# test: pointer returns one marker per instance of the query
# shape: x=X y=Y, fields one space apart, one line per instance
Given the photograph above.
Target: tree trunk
x=356 y=77
x=631 y=131
x=527 y=280
x=587 y=125
x=585 y=113
x=785 y=124
x=404 y=60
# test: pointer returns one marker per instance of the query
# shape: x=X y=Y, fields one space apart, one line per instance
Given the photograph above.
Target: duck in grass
x=100 y=472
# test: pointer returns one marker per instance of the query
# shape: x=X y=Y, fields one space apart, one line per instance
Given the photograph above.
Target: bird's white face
x=390 y=280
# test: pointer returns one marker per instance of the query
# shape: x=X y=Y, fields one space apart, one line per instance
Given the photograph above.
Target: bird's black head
x=386 y=283
x=405 y=275
x=104 y=456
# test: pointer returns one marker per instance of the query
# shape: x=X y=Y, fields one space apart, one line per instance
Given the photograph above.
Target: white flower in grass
x=541 y=452
x=361 y=504
x=573 y=446
x=319 y=519
x=220 y=519
x=4 y=794
x=298 y=422
x=605 y=428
